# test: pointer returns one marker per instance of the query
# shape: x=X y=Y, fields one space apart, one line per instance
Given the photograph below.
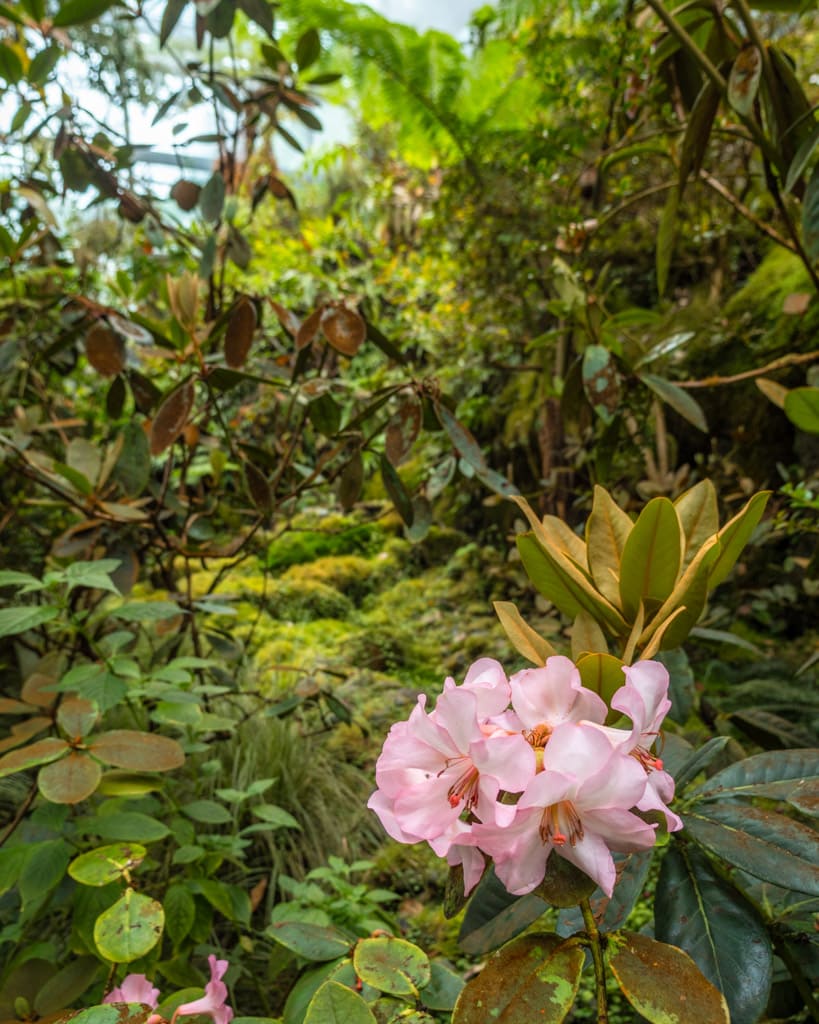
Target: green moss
x=336 y=537
x=352 y=575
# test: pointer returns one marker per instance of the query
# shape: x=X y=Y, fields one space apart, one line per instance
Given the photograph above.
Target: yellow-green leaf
x=602 y=673
x=607 y=530
x=690 y=593
x=524 y=639
x=130 y=928
x=699 y=516
x=735 y=535
x=651 y=557
x=587 y=636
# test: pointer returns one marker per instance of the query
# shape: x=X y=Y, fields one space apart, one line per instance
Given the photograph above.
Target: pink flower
x=578 y=806
x=212 y=1002
x=135 y=988
x=545 y=698
x=456 y=759
x=644 y=699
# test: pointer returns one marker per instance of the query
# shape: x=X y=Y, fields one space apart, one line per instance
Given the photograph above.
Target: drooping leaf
x=70 y=780
x=394 y=487
x=105 y=350
x=402 y=430
x=137 y=751
x=767 y=845
x=239 y=334
x=651 y=557
x=524 y=639
x=311 y=941
x=170 y=18
x=392 y=965
x=681 y=689
x=802 y=157
x=171 y=417
x=259 y=11
x=212 y=198
x=494 y=916
x=680 y=401
x=698 y=131
x=611 y=914
x=130 y=928
x=743 y=80
x=718 y=928
x=697 y=761
x=534 y=978
x=663 y=983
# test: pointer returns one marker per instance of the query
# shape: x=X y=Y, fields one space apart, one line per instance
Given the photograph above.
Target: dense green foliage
x=264 y=437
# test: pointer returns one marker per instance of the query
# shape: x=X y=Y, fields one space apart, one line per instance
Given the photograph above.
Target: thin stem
x=597 y=956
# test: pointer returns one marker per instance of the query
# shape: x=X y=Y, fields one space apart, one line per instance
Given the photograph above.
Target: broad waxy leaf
x=561 y=537
x=443 y=989
x=534 y=978
x=767 y=845
x=392 y=965
x=494 y=916
x=607 y=530
x=718 y=928
x=76 y=716
x=663 y=983
x=106 y=864
x=689 y=594
x=130 y=928
x=334 y=1003
x=137 y=751
x=70 y=780
x=603 y=674
x=651 y=557
x=697 y=761
x=524 y=639
x=743 y=777
x=735 y=535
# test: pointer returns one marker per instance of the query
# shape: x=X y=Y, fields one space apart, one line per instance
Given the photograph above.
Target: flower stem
x=597 y=956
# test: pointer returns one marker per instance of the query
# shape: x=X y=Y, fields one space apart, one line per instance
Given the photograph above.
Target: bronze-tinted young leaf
x=607 y=530
x=70 y=780
x=137 y=751
x=40 y=752
x=309 y=328
x=239 y=333
x=663 y=983
x=105 y=350
x=651 y=557
x=76 y=716
x=524 y=639
x=743 y=81
x=402 y=430
x=186 y=194
x=563 y=538
x=344 y=329
x=23 y=731
x=289 y=321
x=351 y=481
x=534 y=978
x=171 y=417
x=394 y=486
x=258 y=487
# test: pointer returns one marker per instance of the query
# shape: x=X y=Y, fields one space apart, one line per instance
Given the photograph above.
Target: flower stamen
x=560 y=824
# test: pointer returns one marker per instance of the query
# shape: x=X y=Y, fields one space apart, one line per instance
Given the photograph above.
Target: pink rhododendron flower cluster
x=517 y=769
x=136 y=988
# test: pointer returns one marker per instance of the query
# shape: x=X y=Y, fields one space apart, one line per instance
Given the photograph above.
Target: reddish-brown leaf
x=258 y=487
x=23 y=731
x=351 y=481
x=402 y=430
x=40 y=752
x=76 y=716
x=239 y=334
x=185 y=194
x=137 y=751
x=69 y=780
x=289 y=321
x=36 y=689
x=309 y=329
x=105 y=350
x=344 y=329
x=171 y=417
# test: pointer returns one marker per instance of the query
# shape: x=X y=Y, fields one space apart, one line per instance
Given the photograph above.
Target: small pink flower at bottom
x=212 y=1002
x=135 y=988
x=578 y=807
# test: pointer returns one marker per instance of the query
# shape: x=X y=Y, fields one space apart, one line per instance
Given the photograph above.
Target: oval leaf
x=106 y=863
x=523 y=638
x=311 y=941
x=69 y=780
x=802 y=408
x=334 y=1003
x=171 y=417
x=41 y=752
x=239 y=334
x=137 y=751
x=344 y=329
x=105 y=350
x=663 y=983
x=130 y=928
x=651 y=557
x=392 y=965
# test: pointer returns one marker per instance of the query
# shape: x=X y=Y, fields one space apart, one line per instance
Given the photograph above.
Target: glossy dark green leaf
x=677 y=398
x=534 y=978
x=770 y=730
x=681 y=691
x=718 y=928
x=767 y=845
x=170 y=18
x=651 y=556
x=663 y=983
x=308 y=49
x=394 y=487
x=697 y=761
x=494 y=916
x=774 y=766
x=611 y=914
